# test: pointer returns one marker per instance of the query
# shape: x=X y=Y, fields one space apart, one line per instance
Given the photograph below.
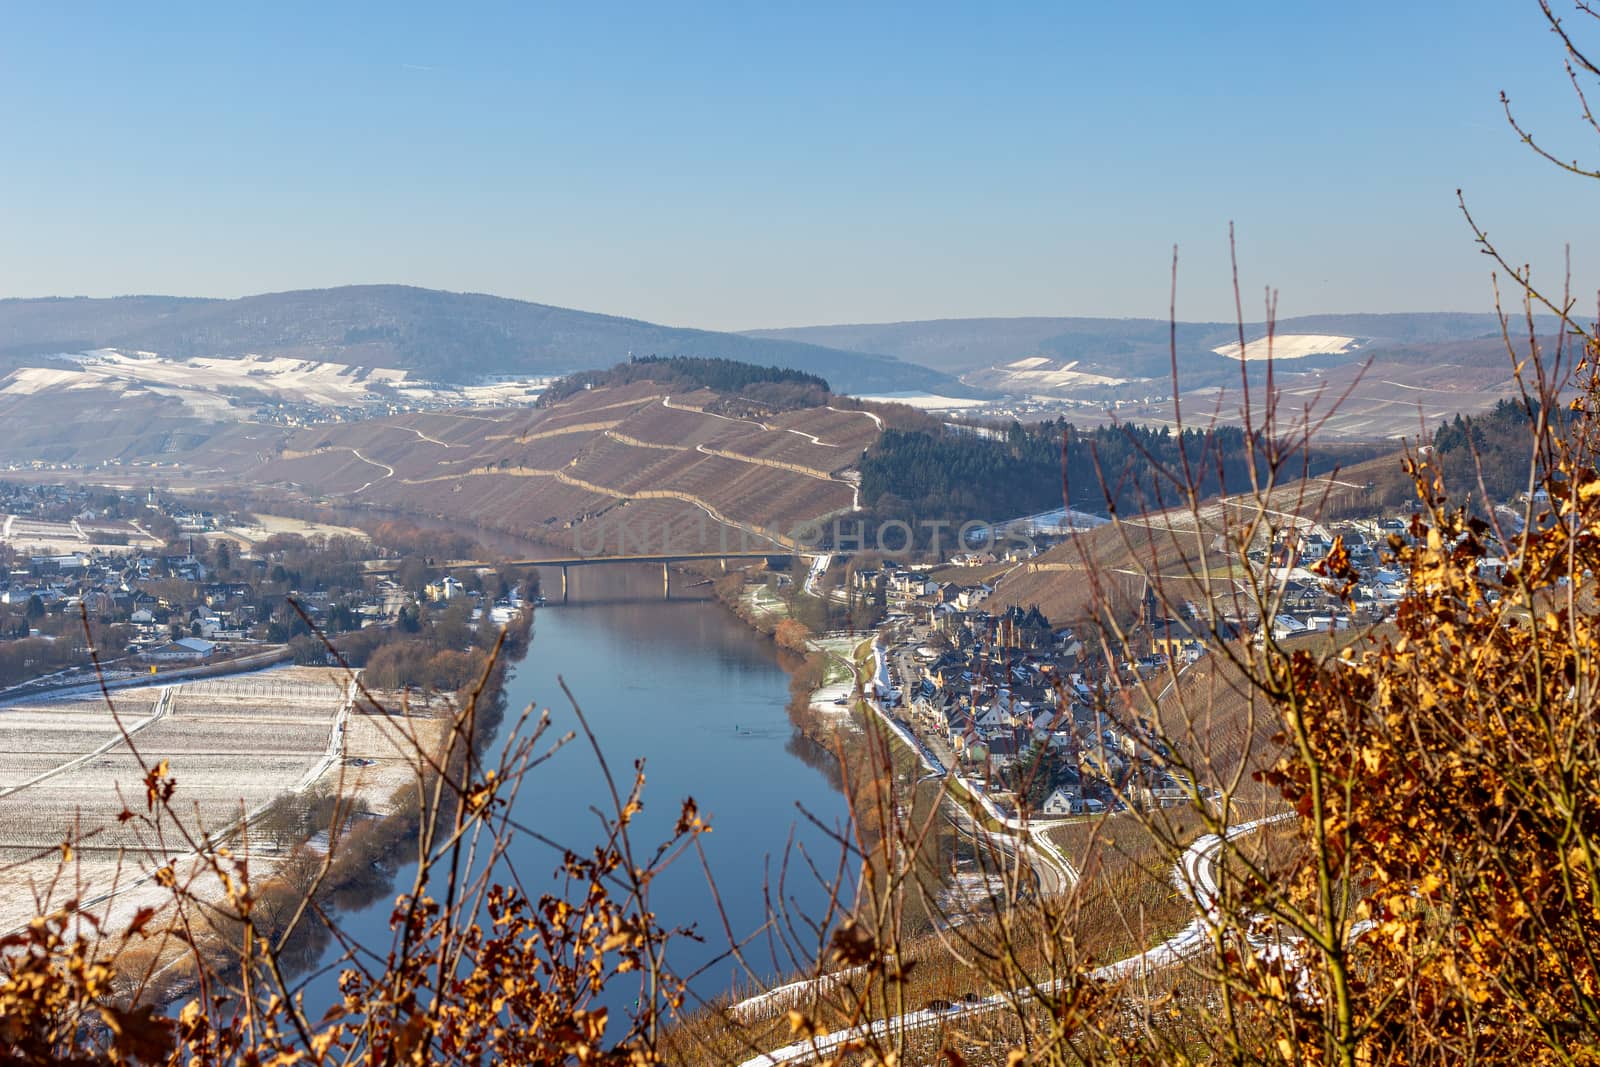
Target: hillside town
x=1018 y=705
x=1010 y=698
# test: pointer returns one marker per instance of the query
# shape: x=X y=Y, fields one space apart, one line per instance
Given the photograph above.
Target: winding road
x=430 y=440
x=389 y=471
x=856 y=411
x=1194 y=874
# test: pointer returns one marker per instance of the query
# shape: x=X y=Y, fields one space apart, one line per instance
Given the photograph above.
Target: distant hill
x=451 y=337
x=1360 y=376
x=1126 y=347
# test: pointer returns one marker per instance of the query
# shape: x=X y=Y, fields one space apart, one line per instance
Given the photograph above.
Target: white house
x=1285 y=626
x=972 y=596
x=1061 y=801
x=185 y=649
x=1065 y=801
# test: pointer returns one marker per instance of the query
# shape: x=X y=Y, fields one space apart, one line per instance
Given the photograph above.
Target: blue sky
x=763 y=165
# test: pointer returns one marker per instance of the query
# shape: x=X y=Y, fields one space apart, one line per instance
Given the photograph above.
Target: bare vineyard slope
x=633 y=457
x=1182 y=549
x=601 y=472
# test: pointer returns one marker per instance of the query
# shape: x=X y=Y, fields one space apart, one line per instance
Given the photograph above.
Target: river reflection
x=701 y=698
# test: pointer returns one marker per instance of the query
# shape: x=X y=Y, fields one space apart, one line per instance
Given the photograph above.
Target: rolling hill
x=1359 y=376
x=452 y=337
x=613 y=469
x=1124 y=347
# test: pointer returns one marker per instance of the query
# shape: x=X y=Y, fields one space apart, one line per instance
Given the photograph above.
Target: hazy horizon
x=763 y=169
x=744 y=329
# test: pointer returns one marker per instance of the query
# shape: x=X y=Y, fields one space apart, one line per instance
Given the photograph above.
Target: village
x=165 y=587
x=1021 y=706
x=1015 y=701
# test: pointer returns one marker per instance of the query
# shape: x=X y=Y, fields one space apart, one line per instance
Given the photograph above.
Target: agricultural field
x=1291 y=346
x=26 y=533
x=215 y=387
x=204 y=384
x=1040 y=375
x=71 y=768
x=266 y=526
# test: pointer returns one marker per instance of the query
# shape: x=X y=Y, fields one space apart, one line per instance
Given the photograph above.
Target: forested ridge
x=951 y=473
x=1493 y=445
x=443 y=336
x=780 y=387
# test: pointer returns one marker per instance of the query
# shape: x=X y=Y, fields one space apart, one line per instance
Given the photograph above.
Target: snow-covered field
x=267 y=525
x=199 y=381
x=1040 y=374
x=24 y=532
x=1059 y=521
x=205 y=385
x=500 y=394
x=1044 y=377
x=824 y=700
x=925 y=401
x=1292 y=346
x=234 y=745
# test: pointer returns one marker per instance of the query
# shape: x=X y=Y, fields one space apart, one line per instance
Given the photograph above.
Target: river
x=701 y=698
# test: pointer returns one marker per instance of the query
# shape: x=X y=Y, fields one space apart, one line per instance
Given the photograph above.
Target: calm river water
x=701 y=699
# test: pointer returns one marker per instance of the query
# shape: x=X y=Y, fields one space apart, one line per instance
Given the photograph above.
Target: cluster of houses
x=171 y=608
x=23 y=498
x=906 y=584
x=135 y=589
x=1008 y=691
x=996 y=691
x=1306 y=606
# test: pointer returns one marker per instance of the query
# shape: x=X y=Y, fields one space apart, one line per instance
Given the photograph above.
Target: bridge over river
x=566 y=562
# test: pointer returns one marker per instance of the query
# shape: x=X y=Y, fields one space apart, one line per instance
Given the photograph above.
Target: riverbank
x=894 y=796
x=353 y=828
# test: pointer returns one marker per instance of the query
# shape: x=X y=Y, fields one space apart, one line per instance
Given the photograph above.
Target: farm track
x=388 y=470
x=666 y=402
x=849 y=411
x=163 y=708
x=431 y=440
x=221 y=707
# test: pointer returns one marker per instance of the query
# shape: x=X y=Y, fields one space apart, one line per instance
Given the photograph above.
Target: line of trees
x=776 y=386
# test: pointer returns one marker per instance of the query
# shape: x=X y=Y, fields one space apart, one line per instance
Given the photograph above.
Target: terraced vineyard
x=616 y=469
